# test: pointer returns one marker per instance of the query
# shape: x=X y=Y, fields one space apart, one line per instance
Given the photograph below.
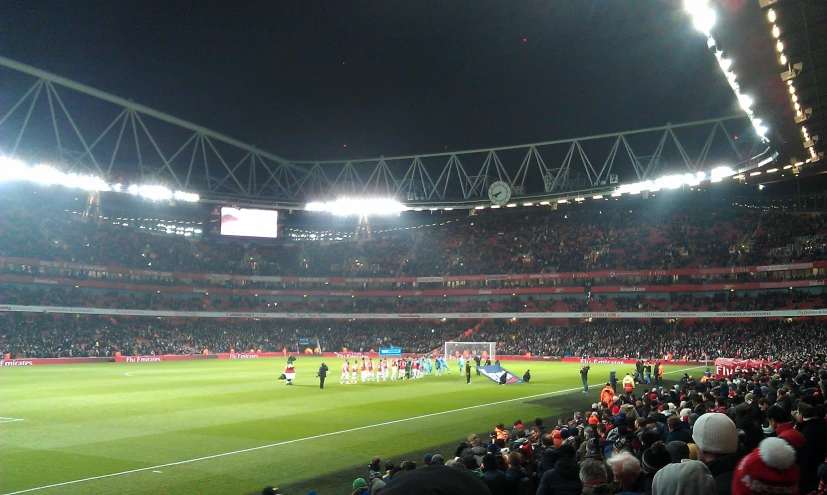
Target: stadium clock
x=499 y=193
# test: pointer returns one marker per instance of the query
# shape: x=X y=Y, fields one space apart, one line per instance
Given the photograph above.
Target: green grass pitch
x=230 y=427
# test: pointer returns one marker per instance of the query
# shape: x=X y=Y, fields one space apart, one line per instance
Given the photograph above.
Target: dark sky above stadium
x=340 y=79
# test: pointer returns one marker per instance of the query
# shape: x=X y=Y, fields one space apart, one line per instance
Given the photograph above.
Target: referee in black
x=322 y=374
x=468 y=371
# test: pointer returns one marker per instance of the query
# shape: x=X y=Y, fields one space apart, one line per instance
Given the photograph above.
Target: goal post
x=485 y=350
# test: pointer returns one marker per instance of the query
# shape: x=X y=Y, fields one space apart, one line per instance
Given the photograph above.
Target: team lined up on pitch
x=392 y=369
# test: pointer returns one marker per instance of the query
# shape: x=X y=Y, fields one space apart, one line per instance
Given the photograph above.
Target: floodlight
x=703 y=17
x=776 y=32
x=779 y=46
x=154 y=193
x=366 y=206
x=11 y=169
x=186 y=197
x=745 y=101
x=771 y=15
x=725 y=63
x=783 y=59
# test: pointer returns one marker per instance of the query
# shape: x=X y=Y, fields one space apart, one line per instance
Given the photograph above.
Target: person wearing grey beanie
x=717 y=440
x=684 y=478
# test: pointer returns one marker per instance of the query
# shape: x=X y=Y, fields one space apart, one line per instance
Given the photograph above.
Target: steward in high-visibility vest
x=607 y=395
x=628 y=384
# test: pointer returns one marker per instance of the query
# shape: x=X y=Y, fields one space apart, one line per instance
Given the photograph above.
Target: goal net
x=468 y=350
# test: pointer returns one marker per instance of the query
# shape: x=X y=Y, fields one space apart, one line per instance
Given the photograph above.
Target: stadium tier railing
x=785 y=313
x=548 y=289
x=217 y=277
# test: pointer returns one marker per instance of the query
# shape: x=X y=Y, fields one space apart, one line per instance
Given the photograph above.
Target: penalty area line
x=304 y=439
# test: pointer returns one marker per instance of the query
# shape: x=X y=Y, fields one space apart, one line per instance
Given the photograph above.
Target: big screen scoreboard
x=248 y=222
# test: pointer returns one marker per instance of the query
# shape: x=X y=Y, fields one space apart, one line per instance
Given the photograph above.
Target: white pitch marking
x=127 y=374
x=297 y=440
x=4 y=419
x=159 y=472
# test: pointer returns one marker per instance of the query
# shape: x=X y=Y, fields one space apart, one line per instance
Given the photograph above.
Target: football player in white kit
x=353 y=369
x=345 y=371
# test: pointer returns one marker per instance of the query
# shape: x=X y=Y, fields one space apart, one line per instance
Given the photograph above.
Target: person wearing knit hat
x=769 y=468
x=653 y=460
x=593 y=450
x=593 y=419
x=684 y=478
x=717 y=440
x=437 y=460
x=360 y=487
x=794 y=438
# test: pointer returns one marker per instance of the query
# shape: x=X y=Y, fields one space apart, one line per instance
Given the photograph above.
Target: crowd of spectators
x=44 y=335
x=778 y=299
x=530 y=241
x=755 y=432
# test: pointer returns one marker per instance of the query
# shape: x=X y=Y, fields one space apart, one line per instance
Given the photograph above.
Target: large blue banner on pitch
x=390 y=351
x=495 y=374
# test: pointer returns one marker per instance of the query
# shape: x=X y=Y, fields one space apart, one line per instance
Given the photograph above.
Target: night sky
x=303 y=79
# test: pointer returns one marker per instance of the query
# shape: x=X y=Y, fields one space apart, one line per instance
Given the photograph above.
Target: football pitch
x=230 y=427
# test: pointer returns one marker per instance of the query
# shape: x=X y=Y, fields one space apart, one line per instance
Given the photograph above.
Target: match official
x=467 y=371
x=322 y=374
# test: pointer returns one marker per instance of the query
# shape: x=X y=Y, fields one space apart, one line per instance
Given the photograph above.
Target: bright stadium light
x=368 y=206
x=45 y=175
x=11 y=170
x=154 y=193
x=745 y=101
x=720 y=173
x=703 y=17
x=186 y=197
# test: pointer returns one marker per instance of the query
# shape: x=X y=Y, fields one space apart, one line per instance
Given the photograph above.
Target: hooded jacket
x=564 y=479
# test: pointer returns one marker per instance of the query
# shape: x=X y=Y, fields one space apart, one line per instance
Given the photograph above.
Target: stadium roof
x=747 y=36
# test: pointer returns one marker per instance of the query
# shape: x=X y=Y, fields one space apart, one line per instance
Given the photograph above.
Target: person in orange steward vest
x=607 y=395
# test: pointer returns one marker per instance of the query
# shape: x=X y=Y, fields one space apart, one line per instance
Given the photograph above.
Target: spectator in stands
x=685 y=478
x=565 y=477
x=811 y=424
x=627 y=473
x=717 y=440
